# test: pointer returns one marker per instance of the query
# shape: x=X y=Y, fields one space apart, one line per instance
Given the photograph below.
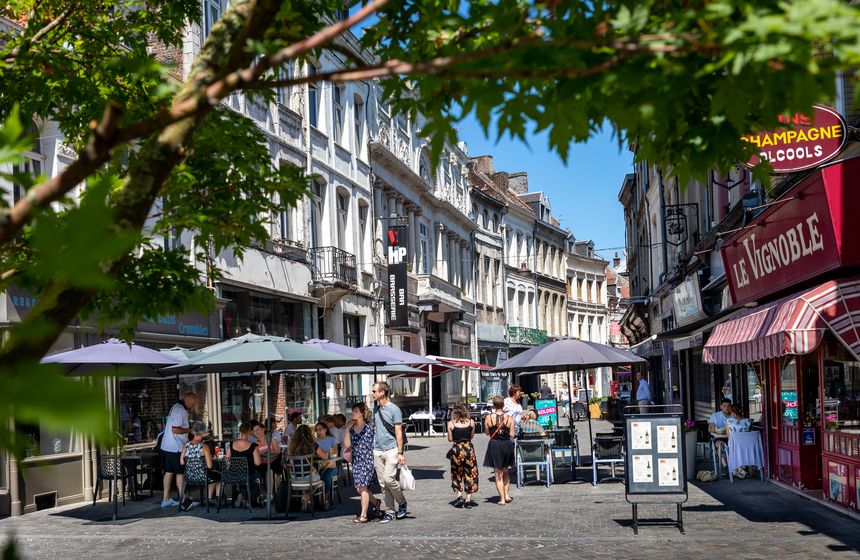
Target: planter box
x=594 y=410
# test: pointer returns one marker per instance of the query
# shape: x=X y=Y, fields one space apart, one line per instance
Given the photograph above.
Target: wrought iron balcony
x=331 y=265
x=525 y=335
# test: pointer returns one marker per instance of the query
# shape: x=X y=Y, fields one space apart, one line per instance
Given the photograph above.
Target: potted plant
x=691 y=436
x=594 y=406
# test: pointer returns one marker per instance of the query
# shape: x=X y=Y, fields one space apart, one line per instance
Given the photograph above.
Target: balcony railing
x=331 y=265
x=525 y=335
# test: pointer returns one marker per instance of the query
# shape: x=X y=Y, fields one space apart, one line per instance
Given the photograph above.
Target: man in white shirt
x=717 y=427
x=293 y=421
x=175 y=437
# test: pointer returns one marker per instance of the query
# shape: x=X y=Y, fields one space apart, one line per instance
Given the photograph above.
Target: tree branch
x=53 y=24
x=90 y=158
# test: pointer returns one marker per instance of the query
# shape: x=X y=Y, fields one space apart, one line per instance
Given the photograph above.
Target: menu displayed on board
x=655 y=460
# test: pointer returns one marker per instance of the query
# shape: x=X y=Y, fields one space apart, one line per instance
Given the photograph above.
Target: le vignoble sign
x=804 y=143
x=789 y=242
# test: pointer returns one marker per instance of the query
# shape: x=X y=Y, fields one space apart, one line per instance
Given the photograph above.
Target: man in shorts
x=175 y=437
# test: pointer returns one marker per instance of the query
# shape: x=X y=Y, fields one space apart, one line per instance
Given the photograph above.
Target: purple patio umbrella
x=394 y=357
x=569 y=354
x=119 y=359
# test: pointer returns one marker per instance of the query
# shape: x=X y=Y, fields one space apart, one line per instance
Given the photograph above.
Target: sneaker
x=401 y=511
x=386 y=518
x=459 y=502
x=170 y=503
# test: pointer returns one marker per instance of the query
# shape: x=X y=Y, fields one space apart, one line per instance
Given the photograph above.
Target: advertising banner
x=547 y=412
x=398 y=309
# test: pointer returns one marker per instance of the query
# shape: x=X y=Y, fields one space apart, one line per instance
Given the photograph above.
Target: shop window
x=788 y=394
x=841 y=377
x=42 y=441
x=264 y=314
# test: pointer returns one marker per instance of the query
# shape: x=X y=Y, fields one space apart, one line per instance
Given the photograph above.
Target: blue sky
x=583 y=193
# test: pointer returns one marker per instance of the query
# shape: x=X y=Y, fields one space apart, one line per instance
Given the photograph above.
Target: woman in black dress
x=464 y=464
x=500 y=449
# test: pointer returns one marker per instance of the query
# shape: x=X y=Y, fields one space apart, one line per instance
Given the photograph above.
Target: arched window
x=486 y=223
x=358 y=120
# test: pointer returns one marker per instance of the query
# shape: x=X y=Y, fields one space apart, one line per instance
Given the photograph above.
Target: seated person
x=529 y=425
x=270 y=455
x=326 y=447
x=736 y=422
x=194 y=449
x=717 y=426
x=302 y=444
x=244 y=447
x=294 y=420
x=253 y=437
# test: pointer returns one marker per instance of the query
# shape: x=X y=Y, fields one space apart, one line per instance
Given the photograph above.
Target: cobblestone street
x=745 y=520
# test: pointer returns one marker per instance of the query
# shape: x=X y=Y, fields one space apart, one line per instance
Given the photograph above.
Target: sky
x=583 y=193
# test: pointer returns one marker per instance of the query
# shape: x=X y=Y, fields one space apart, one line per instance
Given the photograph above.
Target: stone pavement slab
x=747 y=519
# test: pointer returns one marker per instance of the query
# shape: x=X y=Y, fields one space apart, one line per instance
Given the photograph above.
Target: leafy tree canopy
x=682 y=79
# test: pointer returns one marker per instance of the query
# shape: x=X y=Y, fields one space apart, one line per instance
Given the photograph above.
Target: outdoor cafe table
x=425 y=419
x=138 y=462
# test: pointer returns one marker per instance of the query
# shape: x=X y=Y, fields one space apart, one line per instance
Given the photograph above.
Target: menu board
x=655 y=455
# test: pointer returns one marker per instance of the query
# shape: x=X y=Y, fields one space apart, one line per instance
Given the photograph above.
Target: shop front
x=797 y=353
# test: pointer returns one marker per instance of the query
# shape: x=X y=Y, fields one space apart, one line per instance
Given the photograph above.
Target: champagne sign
x=806 y=141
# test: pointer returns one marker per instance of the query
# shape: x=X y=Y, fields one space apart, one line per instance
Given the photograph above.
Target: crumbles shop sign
x=805 y=142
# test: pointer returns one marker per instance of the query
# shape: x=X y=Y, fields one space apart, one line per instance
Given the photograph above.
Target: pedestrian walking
x=388 y=450
x=358 y=447
x=564 y=399
x=464 y=464
x=643 y=393
x=500 y=450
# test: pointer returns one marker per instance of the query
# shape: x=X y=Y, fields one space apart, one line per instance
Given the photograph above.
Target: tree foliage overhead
x=683 y=80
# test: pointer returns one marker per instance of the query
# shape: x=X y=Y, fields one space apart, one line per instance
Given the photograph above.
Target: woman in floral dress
x=464 y=464
x=358 y=443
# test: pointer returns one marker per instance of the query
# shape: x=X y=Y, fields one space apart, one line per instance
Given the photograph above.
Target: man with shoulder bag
x=388 y=443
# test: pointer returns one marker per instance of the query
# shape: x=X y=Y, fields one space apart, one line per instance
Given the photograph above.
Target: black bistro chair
x=106 y=467
x=234 y=472
x=195 y=475
x=579 y=411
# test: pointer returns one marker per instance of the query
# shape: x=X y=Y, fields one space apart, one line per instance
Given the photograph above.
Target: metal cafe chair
x=607 y=450
x=304 y=478
x=533 y=453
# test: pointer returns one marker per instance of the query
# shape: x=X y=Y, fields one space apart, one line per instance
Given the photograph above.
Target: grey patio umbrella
x=115 y=358
x=569 y=354
x=265 y=353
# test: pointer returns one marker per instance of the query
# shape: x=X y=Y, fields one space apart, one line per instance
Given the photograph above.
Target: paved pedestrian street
x=747 y=519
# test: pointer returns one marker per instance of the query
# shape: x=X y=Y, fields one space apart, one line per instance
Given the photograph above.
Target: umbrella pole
x=268 y=447
x=430 y=399
x=588 y=415
x=118 y=445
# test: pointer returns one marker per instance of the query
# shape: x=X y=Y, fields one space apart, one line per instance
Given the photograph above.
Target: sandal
x=359 y=519
x=509 y=500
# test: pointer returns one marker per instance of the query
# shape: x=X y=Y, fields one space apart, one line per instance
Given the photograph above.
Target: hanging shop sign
x=398 y=310
x=687 y=301
x=806 y=141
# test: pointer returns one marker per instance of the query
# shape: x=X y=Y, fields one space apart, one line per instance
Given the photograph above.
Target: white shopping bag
x=407 y=481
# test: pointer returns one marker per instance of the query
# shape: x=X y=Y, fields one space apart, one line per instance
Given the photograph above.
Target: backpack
x=388 y=426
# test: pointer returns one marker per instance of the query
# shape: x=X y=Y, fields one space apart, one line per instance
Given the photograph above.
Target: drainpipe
x=16 y=508
x=664 y=245
x=534 y=275
x=502 y=227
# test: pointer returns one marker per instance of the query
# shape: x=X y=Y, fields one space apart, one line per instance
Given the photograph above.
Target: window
x=172 y=240
x=342 y=214
x=212 y=10
x=486 y=223
x=285 y=224
x=358 y=121
x=425 y=249
x=362 y=232
x=401 y=122
x=285 y=72
x=337 y=112
x=316 y=202
x=40 y=440
x=313 y=98
x=495 y=227
x=31 y=164
x=352 y=331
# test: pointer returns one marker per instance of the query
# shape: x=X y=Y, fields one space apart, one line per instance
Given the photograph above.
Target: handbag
x=347 y=454
x=407 y=480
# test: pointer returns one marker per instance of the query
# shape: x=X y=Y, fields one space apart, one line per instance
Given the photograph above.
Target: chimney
x=519 y=182
x=616 y=260
x=483 y=164
x=501 y=180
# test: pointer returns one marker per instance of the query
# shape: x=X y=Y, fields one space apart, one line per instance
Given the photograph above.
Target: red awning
x=456 y=362
x=792 y=325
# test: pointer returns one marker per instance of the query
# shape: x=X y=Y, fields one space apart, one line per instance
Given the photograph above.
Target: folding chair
x=607 y=450
x=565 y=442
x=533 y=453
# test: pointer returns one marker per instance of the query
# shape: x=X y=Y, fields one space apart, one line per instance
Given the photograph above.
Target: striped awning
x=792 y=325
